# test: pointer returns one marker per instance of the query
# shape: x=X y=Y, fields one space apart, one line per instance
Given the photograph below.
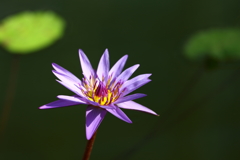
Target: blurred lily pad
x=217 y=44
x=27 y=32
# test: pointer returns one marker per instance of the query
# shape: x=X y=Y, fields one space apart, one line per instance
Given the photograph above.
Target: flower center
x=101 y=92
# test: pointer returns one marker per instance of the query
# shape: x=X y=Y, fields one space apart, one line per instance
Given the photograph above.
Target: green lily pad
x=217 y=44
x=27 y=32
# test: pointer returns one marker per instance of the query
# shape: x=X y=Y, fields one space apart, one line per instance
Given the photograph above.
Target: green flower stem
x=89 y=147
x=10 y=93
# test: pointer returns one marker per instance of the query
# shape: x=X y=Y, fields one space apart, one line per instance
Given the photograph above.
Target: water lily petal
x=135 y=106
x=130 y=97
x=127 y=73
x=71 y=98
x=72 y=88
x=91 y=102
x=62 y=70
x=102 y=90
x=94 y=117
x=59 y=103
x=106 y=107
x=133 y=85
x=85 y=64
x=136 y=79
x=76 y=98
x=118 y=66
x=103 y=66
x=65 y=78
x=117 y=112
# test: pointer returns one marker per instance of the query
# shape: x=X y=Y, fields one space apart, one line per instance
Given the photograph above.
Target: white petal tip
x=152 y=113
x=130 y=122
x=149 y=74
x=125 y=57
x=88 y=137
x=59 y=96
x=80 y=51
x=43 y=107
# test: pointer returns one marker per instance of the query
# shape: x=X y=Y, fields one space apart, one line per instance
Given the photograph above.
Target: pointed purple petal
x=127 y=73
x=65 y=78
x=77 y=99
x=91 y=102
x=77 y=91
x=119 y=114
x=103 y=66
x=132 y=86
x=135 y=106
x=106 y=107
x=94 y=117
x=85 y=64
x=72 y=88
x=118 y=66
x=130 y=97
x=62 y=70
x=58 y=103
x=136 y=79
x=71 y=98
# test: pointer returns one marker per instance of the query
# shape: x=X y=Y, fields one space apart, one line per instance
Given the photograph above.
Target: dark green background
x=152 y=33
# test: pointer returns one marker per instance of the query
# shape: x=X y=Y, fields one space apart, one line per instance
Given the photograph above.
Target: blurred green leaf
x=27 y=32
x=218 y=44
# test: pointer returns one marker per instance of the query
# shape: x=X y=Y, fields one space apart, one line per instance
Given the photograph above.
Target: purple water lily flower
x=103 y=90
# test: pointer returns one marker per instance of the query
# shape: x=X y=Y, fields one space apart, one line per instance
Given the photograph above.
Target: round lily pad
x=218 y=44
x=27 y=32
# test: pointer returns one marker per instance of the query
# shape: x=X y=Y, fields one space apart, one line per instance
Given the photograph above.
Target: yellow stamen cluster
x=101 y=92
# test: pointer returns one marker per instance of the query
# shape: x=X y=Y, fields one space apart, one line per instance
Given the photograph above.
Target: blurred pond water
x=199 y=109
